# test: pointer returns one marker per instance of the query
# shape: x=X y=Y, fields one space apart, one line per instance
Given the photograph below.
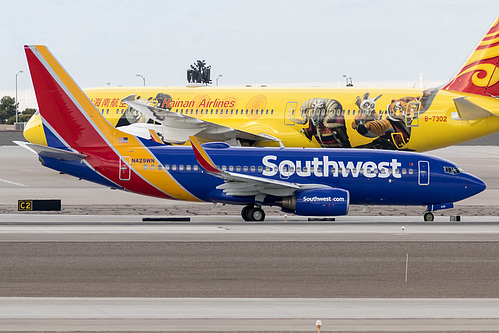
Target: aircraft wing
x=60 y=154
x=237 y=184
x=177 y=128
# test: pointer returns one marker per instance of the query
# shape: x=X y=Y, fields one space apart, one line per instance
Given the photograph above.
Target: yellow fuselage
x=403 y=119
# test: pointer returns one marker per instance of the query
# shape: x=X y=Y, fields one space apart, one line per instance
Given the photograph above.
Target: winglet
x=203 y=158
x=154 y=136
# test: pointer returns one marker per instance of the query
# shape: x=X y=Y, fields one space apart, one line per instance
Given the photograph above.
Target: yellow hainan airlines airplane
x=400 y=119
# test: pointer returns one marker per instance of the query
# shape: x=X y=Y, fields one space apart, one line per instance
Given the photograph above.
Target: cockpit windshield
x=453 y=170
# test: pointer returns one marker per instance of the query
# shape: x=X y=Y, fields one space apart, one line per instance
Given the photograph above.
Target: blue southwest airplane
x=306 y=181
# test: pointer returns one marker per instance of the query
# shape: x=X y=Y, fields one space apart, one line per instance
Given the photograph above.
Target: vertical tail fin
x=480 y=73
x=71 y=117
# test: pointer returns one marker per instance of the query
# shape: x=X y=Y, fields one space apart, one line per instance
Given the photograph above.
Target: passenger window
x=167 y=167
x=411 y=171
x=404 y=171
x=145 y=166
x=231 y=168
x=238 y=168
x=188 y=167
x=245 y=168
x=195 y=168
x=160 y=167
x=224 y=168
x=153 y=167
x=260 y=168
x=174 y=167
x=252 y=168
x=181 y=167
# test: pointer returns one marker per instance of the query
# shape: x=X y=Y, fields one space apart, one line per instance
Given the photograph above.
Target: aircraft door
x=424 y=173
x=290 y=113
x=412 y=114
x=125 y=171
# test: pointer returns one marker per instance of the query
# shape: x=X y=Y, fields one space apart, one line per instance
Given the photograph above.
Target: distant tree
x=199 y=73
x=7 y=108
x=23 y=116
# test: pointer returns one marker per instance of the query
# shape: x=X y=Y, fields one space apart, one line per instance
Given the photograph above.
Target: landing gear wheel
x=244 y=212
x=428 y=216
x=256 y=214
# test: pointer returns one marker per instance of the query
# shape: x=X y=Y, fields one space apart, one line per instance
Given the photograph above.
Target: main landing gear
x=253 y=213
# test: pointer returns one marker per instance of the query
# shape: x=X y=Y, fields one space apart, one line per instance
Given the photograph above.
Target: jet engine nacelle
x=318 y=202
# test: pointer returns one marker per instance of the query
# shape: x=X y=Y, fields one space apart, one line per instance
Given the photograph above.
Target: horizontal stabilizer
x=467 y=110
x=45 y=151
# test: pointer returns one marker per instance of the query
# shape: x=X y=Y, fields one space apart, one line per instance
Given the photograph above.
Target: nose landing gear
x=428 y=216
x=252 y=213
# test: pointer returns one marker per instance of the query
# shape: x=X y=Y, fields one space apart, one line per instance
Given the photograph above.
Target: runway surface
x=249 y=269
x=97 y=266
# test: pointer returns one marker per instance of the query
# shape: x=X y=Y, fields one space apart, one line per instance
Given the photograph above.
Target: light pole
x=219 y=76
x=143 y=78
x=17 y=104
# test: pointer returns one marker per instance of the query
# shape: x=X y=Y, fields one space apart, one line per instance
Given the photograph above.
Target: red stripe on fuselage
x=67 y=120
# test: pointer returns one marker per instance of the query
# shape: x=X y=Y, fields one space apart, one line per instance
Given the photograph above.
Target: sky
x=273 y=42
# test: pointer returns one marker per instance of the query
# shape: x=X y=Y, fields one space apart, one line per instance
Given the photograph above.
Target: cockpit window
x=453 y=170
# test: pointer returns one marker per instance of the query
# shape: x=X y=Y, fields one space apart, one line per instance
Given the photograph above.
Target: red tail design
x=480 y=74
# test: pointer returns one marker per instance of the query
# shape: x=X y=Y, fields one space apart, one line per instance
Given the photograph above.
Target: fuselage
x=397 y=119
x=370 y=177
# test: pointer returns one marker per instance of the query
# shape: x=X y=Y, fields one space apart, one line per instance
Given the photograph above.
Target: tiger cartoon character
x=394 y=131
x=326 y=122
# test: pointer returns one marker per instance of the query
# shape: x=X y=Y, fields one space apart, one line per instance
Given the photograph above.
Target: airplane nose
x=33 y=132
x=474 y=185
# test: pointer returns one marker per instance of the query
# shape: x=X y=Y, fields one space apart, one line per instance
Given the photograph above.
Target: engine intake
x=318 y=202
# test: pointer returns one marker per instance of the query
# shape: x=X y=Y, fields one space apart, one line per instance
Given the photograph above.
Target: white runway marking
x=12 y=183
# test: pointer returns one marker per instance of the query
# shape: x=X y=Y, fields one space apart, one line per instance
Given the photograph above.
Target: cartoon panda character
x=366 y=122
x=326 y=122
